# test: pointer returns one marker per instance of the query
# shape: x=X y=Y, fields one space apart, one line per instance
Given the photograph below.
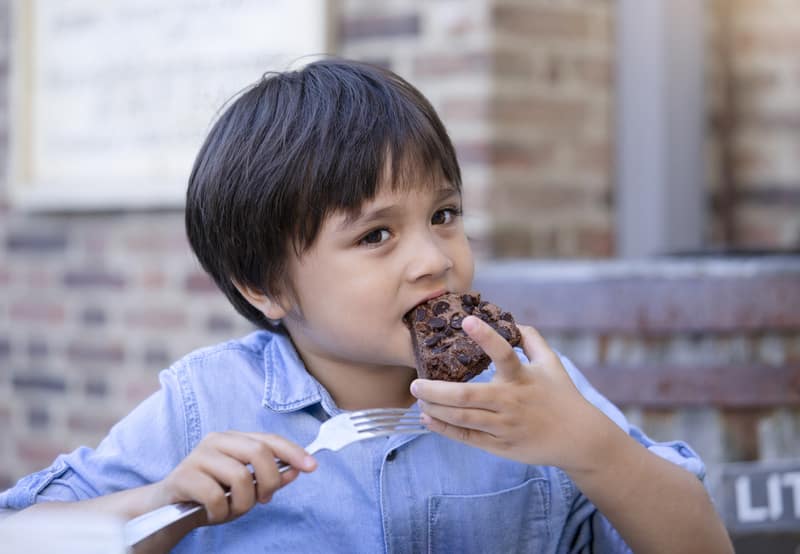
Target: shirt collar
x=288 y=386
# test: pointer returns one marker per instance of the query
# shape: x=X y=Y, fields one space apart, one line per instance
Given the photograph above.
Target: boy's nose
x=428 y=259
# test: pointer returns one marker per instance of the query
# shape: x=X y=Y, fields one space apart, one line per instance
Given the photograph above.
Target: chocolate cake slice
x=442 y=349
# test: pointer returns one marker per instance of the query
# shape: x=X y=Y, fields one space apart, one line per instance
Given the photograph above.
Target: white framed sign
x=111 y=100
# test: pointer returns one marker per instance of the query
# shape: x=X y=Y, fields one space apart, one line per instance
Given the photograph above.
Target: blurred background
x=632 y=188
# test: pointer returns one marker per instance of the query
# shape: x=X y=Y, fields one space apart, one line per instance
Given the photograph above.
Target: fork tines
x=388 y=420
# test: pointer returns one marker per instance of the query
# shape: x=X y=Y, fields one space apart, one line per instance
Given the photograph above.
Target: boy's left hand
x=532 y=413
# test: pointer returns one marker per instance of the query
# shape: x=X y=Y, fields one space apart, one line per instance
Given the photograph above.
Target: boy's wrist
x=600 y=446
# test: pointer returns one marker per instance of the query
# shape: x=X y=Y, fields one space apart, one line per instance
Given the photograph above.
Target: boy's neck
x=355 y=387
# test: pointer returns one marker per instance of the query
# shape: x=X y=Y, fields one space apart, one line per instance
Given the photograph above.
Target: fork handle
x=147 y=524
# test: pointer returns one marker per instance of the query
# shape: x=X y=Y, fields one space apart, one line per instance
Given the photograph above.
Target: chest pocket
x=508 y=521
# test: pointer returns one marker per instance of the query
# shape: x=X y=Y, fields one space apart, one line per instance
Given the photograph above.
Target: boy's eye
x=445 y=216
x=377 y=236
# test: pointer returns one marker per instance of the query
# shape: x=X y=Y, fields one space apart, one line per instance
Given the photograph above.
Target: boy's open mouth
x=431 y=296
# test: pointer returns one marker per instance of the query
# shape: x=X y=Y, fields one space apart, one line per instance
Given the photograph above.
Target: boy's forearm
x=655 y=505
x=126 y=505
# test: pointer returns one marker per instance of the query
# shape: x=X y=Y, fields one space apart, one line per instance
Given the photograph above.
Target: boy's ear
x=272 y=308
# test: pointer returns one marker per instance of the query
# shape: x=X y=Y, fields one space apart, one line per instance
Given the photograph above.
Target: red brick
x=200 y=282
x=38 y=452
x=444 y=65
x=539 y=23
x=752 y=81
x=521 y=198
x=89 y=278
x=95 y=352
x=89 y=423
x=596 y=72
x=749 y=161
x=473 y=152
x=378 y=27
x=528 y=157
x=512 y=64
x=153 y=280
x=541 y=114
x=593 y=158
x=776 y=41
x=468 y=109
x=762 y=234
x=510 y=242
x=37 y=312
x=157 y=244
x=771 y=120
x=95 y=244
x=38 y=279
x=137 y=391
x=595 y=242
x=156 y=318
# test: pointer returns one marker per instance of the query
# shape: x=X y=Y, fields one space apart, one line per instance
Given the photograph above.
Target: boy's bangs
x=405 y=164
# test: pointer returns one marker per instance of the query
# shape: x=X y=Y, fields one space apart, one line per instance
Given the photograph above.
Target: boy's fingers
x=462 y=395
x=236 y=477
x=207 y=491
x=535 y=347
x=468 y=418
x=269 y=447
x=471 y=437
x=495 y=346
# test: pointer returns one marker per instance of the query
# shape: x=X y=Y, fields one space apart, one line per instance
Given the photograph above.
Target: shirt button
x=391 y=455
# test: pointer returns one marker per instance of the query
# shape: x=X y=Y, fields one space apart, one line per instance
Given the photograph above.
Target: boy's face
x=352 y=288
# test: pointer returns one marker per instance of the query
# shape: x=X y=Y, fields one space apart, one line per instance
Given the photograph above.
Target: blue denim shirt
x=399 y=494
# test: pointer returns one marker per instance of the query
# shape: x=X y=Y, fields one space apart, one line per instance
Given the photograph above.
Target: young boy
x=326 y=204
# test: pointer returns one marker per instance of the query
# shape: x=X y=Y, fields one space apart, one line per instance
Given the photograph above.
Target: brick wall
x=754 y=81
x=92 y=306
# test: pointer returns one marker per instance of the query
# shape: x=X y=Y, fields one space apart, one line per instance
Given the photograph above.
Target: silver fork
x=334 y=434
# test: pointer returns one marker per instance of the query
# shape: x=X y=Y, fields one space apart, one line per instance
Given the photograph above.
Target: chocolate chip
x=505 y=333
x=442 y=348
x=505 y=316
x=455 y=322
x=433 y=340
x=420 y=314
x=468 y=300
x=464 y=359
x=441 y=307
x=437 y=323
x=449 y=332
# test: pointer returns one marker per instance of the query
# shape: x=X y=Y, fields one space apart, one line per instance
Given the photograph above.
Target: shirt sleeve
x=586 y=529
x=140 y=449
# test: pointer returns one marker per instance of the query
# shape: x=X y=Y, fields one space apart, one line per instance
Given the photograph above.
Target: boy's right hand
x=219 y=463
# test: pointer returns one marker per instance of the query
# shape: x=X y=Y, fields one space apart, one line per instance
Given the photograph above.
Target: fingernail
x=469 y=323
x=309 y=463
x=414 y=388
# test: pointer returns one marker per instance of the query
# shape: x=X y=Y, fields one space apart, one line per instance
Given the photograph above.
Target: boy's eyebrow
x=366 y=218
x=362 y=218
